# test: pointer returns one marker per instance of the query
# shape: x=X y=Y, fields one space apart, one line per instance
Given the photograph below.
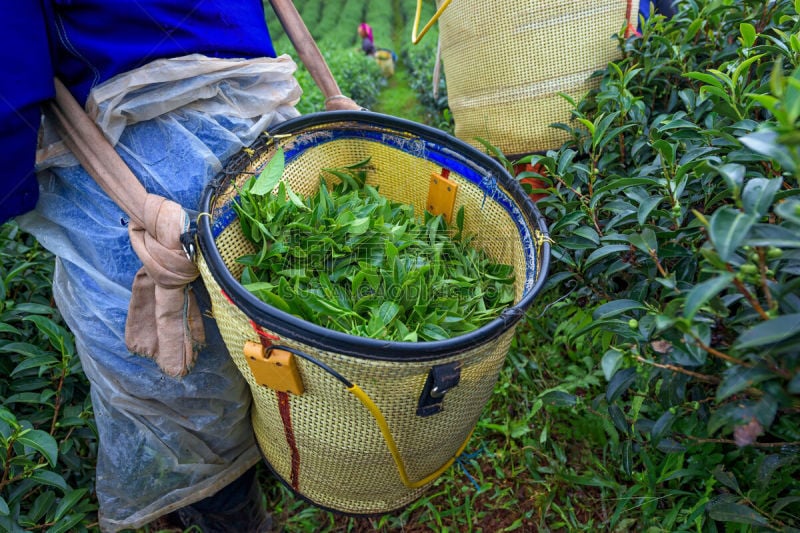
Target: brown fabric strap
x=164 y=321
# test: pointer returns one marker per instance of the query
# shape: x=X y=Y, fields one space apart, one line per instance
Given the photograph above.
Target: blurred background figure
x=367 y=40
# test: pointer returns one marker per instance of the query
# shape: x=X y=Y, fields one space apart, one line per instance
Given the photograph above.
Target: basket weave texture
x=332 y=452
x=506 y=61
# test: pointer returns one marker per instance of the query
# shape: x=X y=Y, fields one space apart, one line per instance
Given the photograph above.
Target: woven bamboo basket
x=506 y=62
x=376 y=421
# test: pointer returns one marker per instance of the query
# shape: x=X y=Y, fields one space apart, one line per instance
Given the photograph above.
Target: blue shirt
x=84 y=43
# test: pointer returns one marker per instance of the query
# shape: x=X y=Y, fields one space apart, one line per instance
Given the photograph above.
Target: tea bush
x=676 y=227
x=47 y=433
x=333 y=27
x=420 y=60
x=653 y=387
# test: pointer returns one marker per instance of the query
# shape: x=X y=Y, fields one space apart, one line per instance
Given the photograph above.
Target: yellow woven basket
x=374 y=422
x=506 y=61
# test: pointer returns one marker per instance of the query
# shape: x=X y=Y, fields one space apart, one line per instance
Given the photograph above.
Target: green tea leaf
x=618 y=418
x=775 y=330
x=646 y=241
x=605 y=251
x=737 y=513
x=781 y=503
x=47 y=477
x=611 y=362
x=733 y=173
x=616 y=307
x=42 y=442
x=68 y=523
x=646 y=207
x=739 y=378
x=748 y=32
x=703 y=292
x=269 y=178
x=295 y=199
x=388 y=311
x=726 y=478
x=662 y=426
x=758 y=195
x=432 y=332
x=705 y=78
x=727 y=229
x=359 y=226
x=765 y=142
x=68 y=501
x=620 y=383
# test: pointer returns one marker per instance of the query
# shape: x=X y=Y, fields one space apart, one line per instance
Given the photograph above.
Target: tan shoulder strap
x=163 y=321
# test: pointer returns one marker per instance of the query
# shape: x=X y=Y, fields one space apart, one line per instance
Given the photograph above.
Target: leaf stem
x=702 y=377
x=729 y=441
x=661 y=270
x=748 y=295
x=719 y=354
x=57 y=400
x=762 y=267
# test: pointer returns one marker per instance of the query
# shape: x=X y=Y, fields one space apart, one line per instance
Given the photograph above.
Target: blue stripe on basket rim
x=424 y=149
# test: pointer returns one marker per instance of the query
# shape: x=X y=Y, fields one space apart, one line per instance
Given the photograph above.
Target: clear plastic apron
x=164 y=443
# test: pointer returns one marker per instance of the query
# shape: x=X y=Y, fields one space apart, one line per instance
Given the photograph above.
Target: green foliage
x=420 y=59
x=47 y=434
x=653 y=387
x=676 y=224
x=353 y=261
x=357 y=75
x=334 y=27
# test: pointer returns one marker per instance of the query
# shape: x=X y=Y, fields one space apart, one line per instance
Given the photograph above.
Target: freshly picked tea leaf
x=349 y=259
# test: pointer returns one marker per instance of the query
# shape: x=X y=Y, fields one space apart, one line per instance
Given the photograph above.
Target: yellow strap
x=416 y=38
x=387 y=436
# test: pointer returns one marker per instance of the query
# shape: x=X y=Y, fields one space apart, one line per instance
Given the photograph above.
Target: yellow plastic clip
x=277 y=370
x=442 y=196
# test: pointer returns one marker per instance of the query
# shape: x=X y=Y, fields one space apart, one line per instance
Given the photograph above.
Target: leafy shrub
x=380 y=14
x=344 y=33
x=420 y=60
x=357 y=75
x=47 y=434
x=676 y=224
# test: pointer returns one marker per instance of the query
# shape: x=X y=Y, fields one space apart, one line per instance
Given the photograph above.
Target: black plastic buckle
x=187 y=239
x=441 y=379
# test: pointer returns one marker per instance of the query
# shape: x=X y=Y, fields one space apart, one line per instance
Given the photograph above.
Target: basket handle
x=417 y=38
x=376 y=413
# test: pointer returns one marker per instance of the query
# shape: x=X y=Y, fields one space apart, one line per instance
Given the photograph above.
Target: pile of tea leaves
x=349 y=259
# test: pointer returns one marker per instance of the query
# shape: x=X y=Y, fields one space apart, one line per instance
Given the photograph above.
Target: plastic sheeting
x=164 y=443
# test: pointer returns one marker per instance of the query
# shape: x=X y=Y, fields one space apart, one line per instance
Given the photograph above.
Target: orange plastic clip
x=442 y=195
x=277 y=370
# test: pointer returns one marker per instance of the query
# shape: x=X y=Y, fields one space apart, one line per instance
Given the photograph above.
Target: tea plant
x=676 y=223
x=47 y=434
x=653 y=387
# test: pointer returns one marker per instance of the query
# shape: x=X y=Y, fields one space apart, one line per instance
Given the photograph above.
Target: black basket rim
x=291 y=327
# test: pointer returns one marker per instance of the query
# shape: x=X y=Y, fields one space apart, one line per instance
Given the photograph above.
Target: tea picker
x=168 y=86
x=176 y=433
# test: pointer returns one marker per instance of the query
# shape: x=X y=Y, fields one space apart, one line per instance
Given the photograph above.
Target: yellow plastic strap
x=387 y=436
x=416 y=38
